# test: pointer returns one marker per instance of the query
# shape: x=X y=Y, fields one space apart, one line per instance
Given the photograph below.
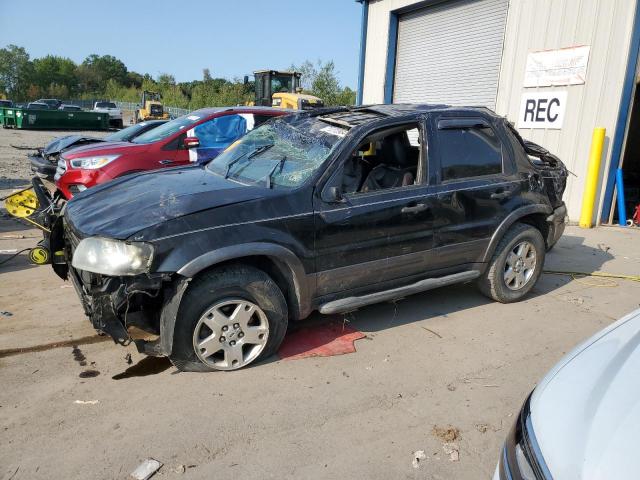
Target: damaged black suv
x=327 y=210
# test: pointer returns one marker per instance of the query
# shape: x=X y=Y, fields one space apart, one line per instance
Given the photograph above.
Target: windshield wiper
x=251 y=154
x=260 y=149
x=268 y=178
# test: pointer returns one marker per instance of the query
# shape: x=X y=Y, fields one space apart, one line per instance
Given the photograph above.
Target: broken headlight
x=112 y=257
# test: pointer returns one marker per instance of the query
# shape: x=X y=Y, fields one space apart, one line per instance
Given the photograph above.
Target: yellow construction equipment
x=282 y=90
x=150 y=108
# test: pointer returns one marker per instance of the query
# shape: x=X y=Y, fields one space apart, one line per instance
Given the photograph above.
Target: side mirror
x=191 y=142
x=332 y=195
x=246 y=79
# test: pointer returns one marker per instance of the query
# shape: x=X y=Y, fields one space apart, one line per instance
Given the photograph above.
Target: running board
x=349 y=304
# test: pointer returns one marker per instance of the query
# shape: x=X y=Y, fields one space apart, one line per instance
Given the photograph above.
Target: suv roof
x=213 y=110
x=354 y=116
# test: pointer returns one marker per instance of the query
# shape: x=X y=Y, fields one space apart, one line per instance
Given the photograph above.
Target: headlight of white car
x=92 y=163
x=112 y=257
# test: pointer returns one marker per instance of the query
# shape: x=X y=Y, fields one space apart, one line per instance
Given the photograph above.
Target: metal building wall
x=377 y=40
x=605 y=25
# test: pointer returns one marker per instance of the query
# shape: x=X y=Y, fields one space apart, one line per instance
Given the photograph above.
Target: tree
x=96 y=70
x=134 y=79
x=52 y=70
x=166 y=79
x=322 y=81
x=16 y=71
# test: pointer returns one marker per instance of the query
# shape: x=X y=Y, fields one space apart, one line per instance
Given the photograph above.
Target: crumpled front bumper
x=42 y=167
x=111 y=303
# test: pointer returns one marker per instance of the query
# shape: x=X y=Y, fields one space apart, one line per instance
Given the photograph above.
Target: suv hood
x=59 y=144
x=586 y=411
x=123 y=207
x=104 y=148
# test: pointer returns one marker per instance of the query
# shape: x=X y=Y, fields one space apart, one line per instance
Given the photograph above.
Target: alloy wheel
x=231 y=334
x=520 y=265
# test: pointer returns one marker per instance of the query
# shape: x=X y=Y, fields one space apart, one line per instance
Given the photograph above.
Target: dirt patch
x=48 y=346
x=446 y=434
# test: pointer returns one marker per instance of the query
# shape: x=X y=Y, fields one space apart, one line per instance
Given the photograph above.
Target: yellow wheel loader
x=150 y=108
x=282 y=90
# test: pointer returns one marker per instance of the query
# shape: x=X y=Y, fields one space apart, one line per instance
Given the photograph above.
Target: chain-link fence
x=128 y=108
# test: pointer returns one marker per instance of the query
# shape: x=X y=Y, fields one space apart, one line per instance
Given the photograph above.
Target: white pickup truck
x=115 y=114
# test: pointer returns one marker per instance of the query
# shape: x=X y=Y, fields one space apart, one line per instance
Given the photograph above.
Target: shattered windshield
x=279 y=153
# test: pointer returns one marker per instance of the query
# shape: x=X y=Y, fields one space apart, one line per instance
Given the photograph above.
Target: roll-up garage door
x=450 y=53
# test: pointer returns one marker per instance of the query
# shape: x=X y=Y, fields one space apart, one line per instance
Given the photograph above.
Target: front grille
x=62 y=168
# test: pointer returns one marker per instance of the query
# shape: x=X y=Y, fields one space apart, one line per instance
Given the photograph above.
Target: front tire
x=515 y=266
x=229 y=318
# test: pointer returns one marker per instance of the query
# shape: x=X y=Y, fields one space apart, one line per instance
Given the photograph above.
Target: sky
x=230 y=37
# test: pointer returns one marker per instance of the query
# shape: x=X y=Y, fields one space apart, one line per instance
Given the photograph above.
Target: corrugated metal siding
x=606 y=26
x=532 y=25
x=450 y=53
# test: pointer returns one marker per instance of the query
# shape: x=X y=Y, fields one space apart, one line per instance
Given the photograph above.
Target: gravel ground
x=440 y=368
x=15 y=170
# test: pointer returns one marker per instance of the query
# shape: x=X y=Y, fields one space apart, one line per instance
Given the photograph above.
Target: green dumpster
x=23 y=118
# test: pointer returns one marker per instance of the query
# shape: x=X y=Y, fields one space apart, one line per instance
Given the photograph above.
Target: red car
x=195 y=138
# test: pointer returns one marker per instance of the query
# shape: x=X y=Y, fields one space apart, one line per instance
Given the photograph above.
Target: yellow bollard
x=593 y=171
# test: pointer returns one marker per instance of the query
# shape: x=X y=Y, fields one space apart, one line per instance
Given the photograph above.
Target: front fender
x=287 y=262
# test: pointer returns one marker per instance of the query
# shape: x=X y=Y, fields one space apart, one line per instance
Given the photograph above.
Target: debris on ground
x=320 y=341
x=6 y=314
x=481 y=427
x=127 y=358
x=418 y=456
x=451 y=387
x=431 y=331
x=446 y=434
x=452 y=450
x=146 y=469
x=87 y=402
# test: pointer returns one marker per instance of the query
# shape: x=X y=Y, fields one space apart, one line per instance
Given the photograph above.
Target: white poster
x=566 y=66
x=542 y=110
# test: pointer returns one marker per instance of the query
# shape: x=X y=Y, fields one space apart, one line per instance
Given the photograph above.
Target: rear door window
x=469 y=148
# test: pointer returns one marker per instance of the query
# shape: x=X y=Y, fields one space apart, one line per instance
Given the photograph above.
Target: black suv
x=327 y=210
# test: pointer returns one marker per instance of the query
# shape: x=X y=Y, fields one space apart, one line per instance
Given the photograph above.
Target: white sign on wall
x=542 y=110
x=565 y=66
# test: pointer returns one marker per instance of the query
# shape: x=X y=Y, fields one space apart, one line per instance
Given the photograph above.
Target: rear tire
x=229 y=317
x=515 y=266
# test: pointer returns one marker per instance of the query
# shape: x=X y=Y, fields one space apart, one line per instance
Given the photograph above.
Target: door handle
x=501 y=195
x=420 y=207
x=165 y=162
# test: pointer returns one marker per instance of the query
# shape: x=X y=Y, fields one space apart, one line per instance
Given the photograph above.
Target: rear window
x=106 y=105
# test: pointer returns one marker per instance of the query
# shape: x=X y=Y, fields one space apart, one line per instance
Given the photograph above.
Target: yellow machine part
x=292 y=100
x=23 y=204
x=39 y=255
